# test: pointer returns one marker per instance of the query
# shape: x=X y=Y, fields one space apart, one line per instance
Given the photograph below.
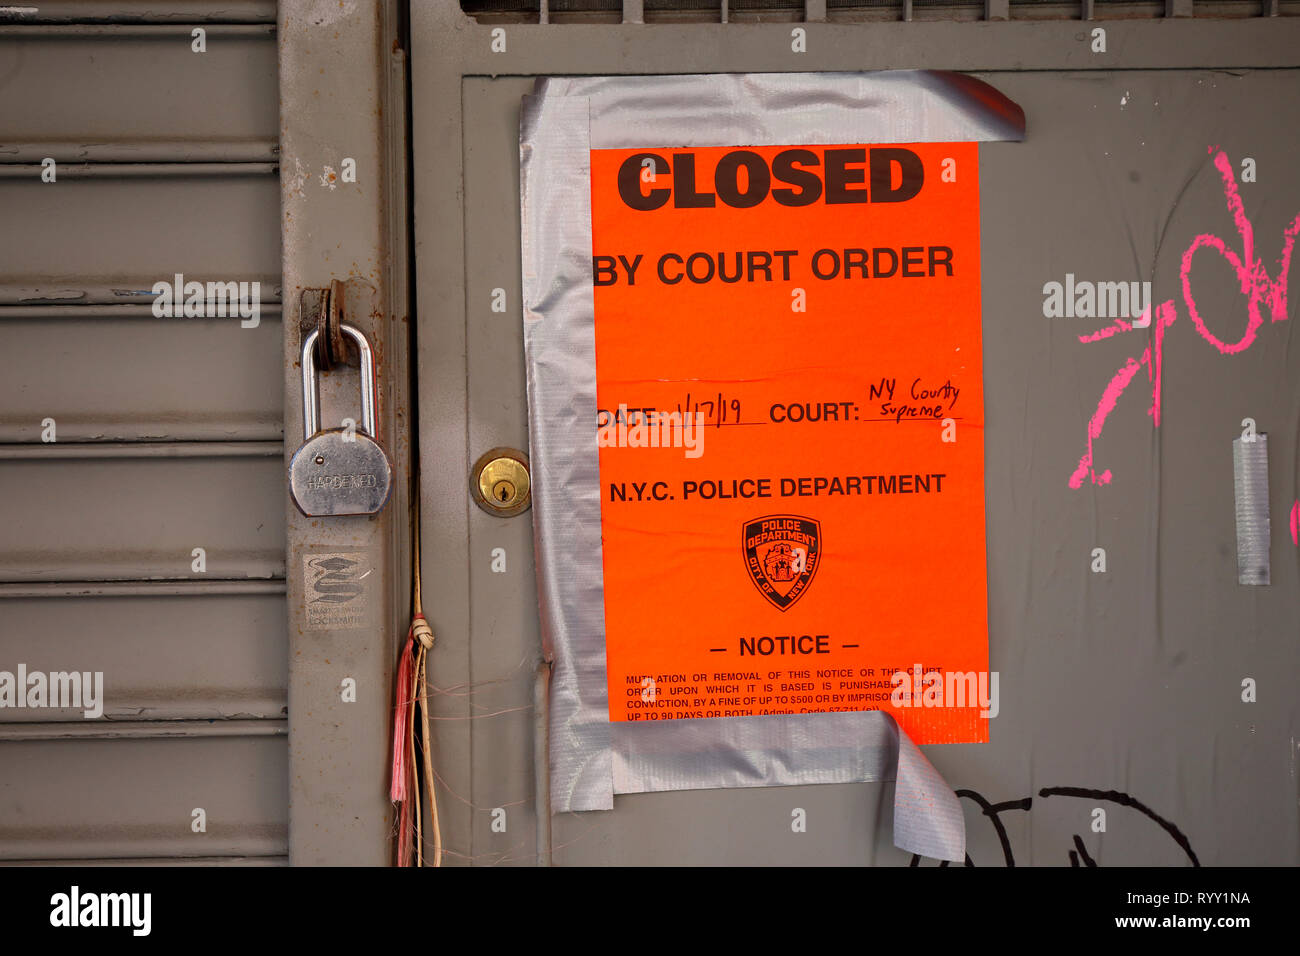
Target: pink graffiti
x=1255 y=285
x=1295 y=523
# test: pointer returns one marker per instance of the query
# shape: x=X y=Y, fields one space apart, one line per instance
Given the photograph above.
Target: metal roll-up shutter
x=141 y=485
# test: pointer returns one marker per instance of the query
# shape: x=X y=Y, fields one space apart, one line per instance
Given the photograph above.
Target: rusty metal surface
x=340 y=79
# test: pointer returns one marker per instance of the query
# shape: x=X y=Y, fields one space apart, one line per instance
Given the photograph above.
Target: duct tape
x=592 y=758
x=1250 y=488
x=778 y=750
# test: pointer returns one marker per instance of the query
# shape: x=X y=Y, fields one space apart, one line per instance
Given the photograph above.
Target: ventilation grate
x=849 y=11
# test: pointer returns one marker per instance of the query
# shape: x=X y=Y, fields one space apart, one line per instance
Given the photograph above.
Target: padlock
x=339 y=471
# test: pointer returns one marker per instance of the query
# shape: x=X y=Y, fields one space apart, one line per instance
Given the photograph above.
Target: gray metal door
x=1124 y=690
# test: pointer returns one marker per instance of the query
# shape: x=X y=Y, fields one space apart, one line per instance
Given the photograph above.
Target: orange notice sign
x=791 y=432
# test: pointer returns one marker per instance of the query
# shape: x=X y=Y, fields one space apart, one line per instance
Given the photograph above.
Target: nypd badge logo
x=781 y=554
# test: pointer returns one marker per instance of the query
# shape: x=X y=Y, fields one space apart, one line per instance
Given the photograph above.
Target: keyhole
x=499 y=482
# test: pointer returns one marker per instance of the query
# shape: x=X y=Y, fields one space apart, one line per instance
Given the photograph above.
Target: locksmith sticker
x=788 y=350
x=781 y=555
x=336 y=589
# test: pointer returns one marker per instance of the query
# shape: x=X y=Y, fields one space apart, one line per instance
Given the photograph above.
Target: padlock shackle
x=311 y=389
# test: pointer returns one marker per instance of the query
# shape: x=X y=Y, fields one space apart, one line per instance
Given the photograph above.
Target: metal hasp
x=339 y=471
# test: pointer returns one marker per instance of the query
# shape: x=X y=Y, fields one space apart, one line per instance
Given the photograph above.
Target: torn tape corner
x=928 y=819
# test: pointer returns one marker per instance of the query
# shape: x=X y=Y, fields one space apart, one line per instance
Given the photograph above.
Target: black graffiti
x=1079 y=856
